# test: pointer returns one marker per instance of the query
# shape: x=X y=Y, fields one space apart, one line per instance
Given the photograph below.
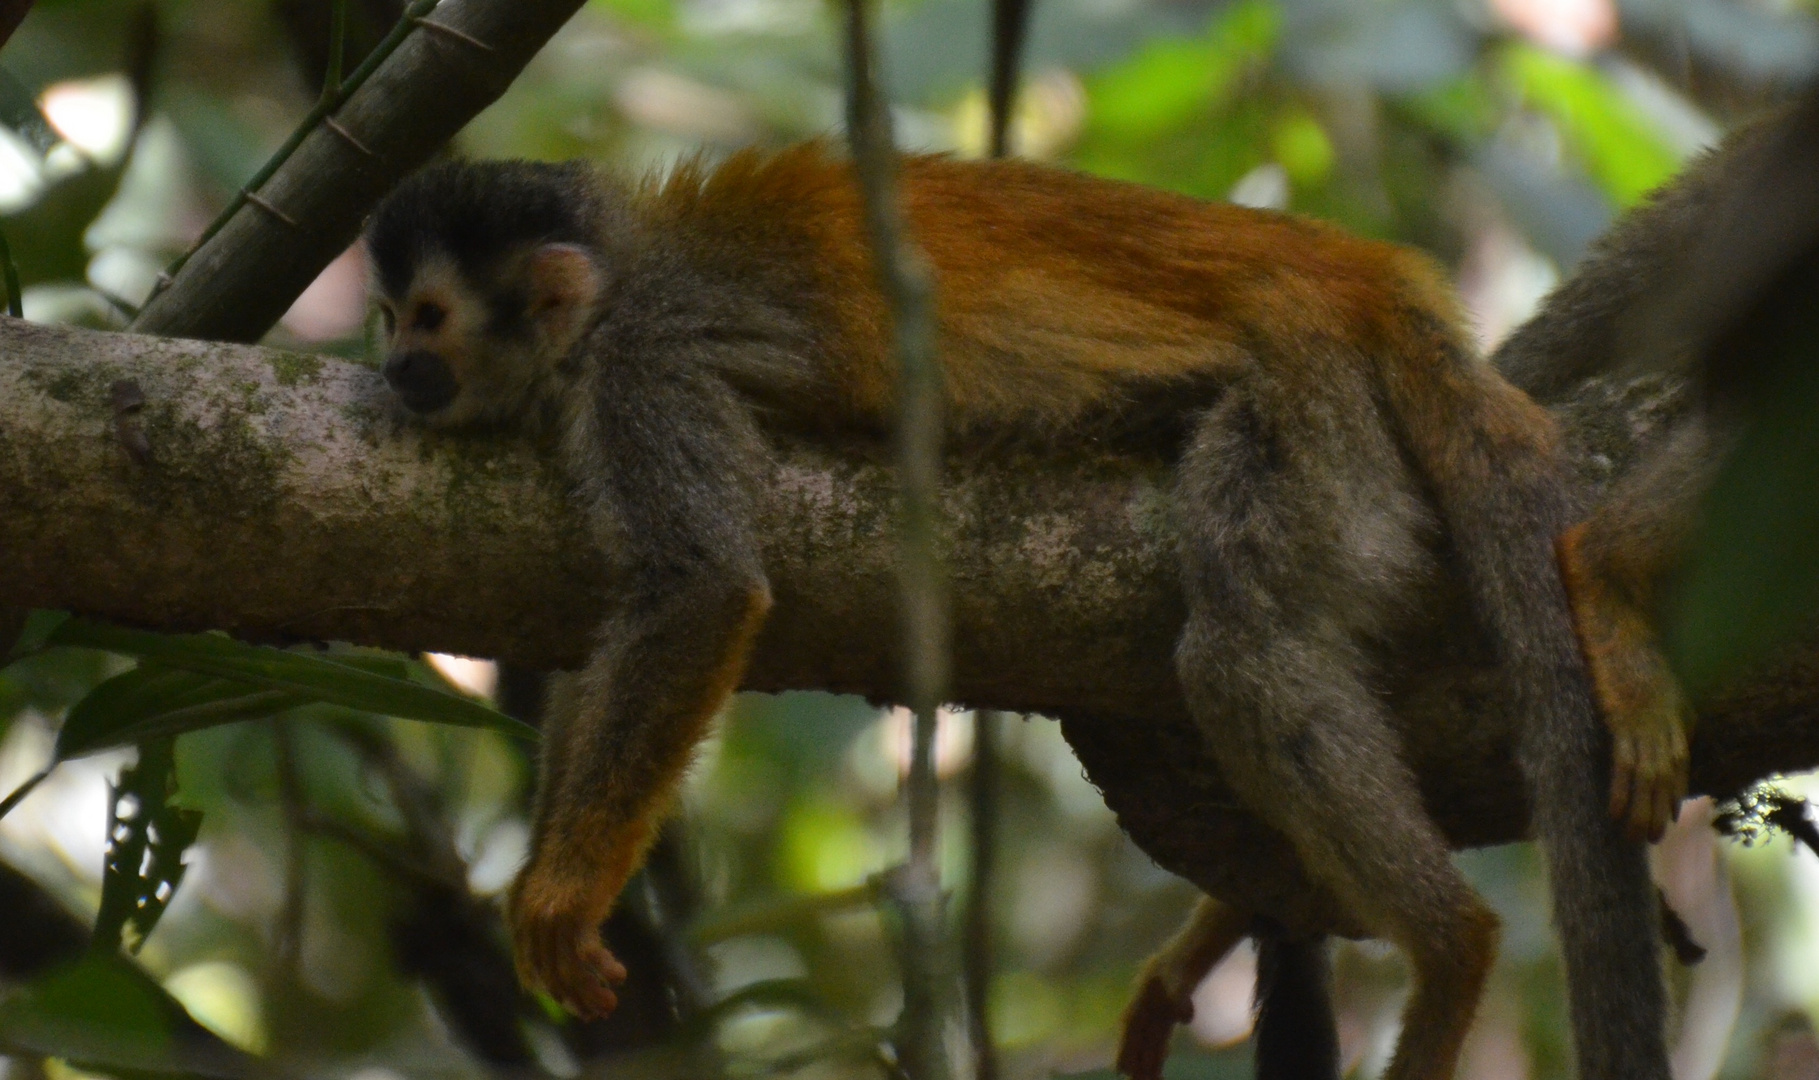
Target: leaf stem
x=20 y=792
x=330 y=101
x=15 y=300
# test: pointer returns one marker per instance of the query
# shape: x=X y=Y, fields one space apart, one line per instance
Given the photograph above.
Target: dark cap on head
x=476 y=211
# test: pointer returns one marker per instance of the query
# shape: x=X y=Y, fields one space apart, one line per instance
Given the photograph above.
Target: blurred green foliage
x=338 y=913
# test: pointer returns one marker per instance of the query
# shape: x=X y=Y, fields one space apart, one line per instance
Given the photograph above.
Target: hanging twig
x=288 y=942
x=903 y=275
x=1010 y=21
x=337 y=49
x=976 y=960
x=15 y=299
x=19 y=793
x=325 y=106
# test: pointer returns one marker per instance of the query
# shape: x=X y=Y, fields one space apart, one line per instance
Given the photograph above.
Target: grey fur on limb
x=282 y=498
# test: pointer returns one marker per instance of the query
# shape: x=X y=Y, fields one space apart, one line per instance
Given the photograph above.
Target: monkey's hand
x=555 y=916
x=1649 y=718
x=1148 y=1023
x=1644 y=708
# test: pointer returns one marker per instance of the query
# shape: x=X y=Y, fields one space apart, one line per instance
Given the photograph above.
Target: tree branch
x=457 y=62
x=282 y=498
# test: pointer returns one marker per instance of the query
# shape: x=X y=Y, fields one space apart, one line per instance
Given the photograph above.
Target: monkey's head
x=486 y=274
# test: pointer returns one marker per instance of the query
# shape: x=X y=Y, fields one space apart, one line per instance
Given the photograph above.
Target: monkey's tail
x=1491 y=460
x=1297 y=1036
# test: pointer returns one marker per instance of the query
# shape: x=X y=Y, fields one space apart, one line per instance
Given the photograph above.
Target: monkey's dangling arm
x=622 y=730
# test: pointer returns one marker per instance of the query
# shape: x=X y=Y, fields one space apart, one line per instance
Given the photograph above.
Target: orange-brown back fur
x=1056 y=291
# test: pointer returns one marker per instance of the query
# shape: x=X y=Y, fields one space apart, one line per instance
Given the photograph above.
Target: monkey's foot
x=556 y=940
x=1148 y=1024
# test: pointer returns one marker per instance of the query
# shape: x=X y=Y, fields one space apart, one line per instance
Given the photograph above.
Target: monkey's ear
x=564 y=290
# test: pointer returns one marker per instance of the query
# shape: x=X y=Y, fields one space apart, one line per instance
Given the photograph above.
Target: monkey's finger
x=1637 y=801
x=608 y=966
x=1666 y=796
x=600 y=970
x=557 y=954
x=1623 y=777
x=1661 y=781
x=594 y=998
x=1645 y=820
x=545 y=959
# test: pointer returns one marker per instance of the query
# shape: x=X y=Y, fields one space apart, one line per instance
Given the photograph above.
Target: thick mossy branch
x=282 y=498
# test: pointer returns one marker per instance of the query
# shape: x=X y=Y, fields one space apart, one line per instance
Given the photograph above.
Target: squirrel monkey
x=1329 y=412
x=1614 y=564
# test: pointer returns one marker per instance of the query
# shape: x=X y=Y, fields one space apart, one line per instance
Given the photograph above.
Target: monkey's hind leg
x=1292 y=551
x=1165 y=989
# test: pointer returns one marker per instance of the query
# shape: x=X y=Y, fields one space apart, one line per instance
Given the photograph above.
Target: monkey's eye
x=428 y=317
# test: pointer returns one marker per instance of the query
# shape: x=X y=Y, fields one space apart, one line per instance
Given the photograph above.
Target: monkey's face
x=460 y=352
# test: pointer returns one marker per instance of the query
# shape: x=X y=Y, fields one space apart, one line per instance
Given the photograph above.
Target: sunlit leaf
x=651 y=14
x=338 y=681
x=1622 y=150
x=1173 y=81
x=1301 y=145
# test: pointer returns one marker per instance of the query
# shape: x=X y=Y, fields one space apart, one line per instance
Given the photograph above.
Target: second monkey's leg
x=1165 y=989
x=1299 y=529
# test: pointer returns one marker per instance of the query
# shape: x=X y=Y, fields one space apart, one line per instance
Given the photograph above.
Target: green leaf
x=103 y=1014
x=345 y=681
x=39 y=626
x=1464 y=109
x=1622 y=150
x=46 y=238
x=154 y=701
x=99 y=1009
x=644 y=14
x=19 y=111
x=1173 y=82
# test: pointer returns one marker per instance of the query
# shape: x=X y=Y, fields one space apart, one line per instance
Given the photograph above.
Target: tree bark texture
x=282 y=497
